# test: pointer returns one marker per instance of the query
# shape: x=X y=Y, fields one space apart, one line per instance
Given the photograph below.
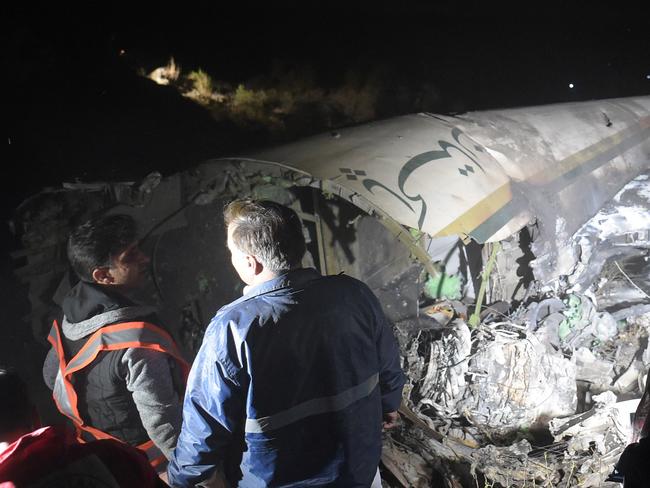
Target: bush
x=202 y=84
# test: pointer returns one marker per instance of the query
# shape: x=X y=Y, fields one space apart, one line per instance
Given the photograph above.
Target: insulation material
x=444 y=383
x=515 y=382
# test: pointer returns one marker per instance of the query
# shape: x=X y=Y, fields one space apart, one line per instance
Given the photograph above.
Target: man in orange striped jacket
x=111 y=367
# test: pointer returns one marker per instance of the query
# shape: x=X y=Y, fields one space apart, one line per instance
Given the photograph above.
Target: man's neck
x=263 y=277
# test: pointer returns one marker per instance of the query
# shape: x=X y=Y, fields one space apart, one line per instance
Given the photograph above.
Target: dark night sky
x=77 y=109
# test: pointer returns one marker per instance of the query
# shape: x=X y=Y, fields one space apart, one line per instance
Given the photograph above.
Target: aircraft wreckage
x=508 y=249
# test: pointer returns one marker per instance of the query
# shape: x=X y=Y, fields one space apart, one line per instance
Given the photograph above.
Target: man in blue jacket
x=294 y=379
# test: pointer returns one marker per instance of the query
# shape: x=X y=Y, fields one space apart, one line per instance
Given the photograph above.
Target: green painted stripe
x=598 y=161
x=494 y=222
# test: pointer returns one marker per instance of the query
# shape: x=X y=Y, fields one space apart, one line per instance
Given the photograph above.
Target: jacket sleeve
x=213 y=411
x=149 y=378
x=50 y=368
x=391 y=376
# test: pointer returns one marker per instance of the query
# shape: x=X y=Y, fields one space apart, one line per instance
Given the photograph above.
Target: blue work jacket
x=289 y=387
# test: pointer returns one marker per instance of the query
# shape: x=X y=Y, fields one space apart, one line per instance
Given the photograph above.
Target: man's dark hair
x=15 y=406
x=267 y=230
x=96 y=242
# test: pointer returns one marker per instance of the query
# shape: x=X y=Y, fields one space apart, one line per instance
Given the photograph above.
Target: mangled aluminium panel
x=566 y=161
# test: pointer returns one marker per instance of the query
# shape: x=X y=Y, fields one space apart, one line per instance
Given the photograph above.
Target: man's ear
x=103 y=276
x=254 y=265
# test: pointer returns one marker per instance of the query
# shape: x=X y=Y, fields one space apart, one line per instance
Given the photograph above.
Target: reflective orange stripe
x=121 y=327
x=155 y=462
x=98 y=342
x=172 y=350
x=71 y=395
x=156 y=458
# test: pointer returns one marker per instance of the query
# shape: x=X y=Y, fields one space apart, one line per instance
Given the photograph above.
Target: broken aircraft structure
x=507 y=248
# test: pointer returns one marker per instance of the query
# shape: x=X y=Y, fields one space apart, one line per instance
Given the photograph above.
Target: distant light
x=571 y=85
x=647 y=77
x=122 y=52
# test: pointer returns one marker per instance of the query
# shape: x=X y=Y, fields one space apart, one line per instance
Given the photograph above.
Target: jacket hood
x=88 y=307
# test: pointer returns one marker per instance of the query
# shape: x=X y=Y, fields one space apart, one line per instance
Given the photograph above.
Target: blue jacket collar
x=294 y=279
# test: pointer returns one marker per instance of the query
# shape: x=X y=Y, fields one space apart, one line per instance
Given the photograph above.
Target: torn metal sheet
x=510 y=382
x=594 y=439
x=611 y=252
x=587 y=444
x=515 y=383
x=597 y=372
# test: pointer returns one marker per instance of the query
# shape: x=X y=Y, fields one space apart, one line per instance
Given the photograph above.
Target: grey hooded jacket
x=131 y=393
